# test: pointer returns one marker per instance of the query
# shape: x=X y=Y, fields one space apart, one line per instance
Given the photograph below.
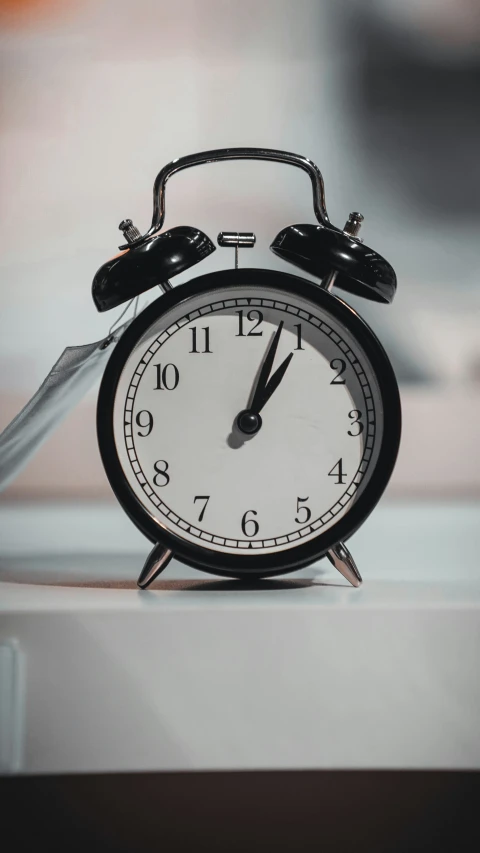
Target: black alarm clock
x=248 y=419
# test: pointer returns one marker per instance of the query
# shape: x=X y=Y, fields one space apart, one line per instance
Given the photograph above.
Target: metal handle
x=237 y=154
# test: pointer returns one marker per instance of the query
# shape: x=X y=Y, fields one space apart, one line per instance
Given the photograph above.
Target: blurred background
x=97 y=95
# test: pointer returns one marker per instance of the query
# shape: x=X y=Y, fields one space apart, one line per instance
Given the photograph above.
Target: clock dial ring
x=199 y=530
x=301 y=552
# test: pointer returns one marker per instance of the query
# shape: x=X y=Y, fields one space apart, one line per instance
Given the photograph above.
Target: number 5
x=308 y=513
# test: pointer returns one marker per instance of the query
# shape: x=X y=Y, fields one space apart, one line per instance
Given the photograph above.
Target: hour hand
x=248 y=420
x=274 y=381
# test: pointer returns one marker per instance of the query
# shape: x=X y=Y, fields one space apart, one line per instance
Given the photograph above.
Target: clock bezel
x=299 y=555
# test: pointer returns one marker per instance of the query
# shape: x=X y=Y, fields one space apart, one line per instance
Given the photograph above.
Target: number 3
x=355 y=416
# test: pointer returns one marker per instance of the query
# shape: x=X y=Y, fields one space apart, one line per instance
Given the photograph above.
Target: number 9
x=148 y=425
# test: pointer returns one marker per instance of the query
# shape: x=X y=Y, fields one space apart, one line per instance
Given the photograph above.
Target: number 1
x=298 y=327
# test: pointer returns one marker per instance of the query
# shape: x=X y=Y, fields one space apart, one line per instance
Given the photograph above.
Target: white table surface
x=298 y=672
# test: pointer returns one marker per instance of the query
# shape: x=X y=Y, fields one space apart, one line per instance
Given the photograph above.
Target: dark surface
x=148 y=264
x=260 y=565
x=319 y=251
x=375 y=812
x=411 y=93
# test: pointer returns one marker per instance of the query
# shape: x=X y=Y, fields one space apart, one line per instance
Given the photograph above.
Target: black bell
x=147 y=264
x=321 y=250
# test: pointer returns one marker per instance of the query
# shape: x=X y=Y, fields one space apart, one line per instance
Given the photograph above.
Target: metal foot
x=341 y=558
x=156 y=562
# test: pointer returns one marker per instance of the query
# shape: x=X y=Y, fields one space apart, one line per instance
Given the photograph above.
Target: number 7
x=205 y=498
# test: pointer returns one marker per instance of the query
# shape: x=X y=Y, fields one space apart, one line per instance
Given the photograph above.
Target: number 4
x=337 y=471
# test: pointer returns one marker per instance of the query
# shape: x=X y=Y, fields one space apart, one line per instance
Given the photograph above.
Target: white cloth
x=68 y=381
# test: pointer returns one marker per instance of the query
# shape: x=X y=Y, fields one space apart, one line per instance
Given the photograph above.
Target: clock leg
x=341 y=558
x=156 y=562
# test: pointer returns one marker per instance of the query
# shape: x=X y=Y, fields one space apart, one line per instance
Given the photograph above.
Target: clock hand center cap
x=248 y=422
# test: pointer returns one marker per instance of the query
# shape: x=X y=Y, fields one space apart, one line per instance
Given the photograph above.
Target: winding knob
x=353 y=225
x=129 y=230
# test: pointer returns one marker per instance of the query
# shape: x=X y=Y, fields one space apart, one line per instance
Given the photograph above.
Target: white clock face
x=195 y=472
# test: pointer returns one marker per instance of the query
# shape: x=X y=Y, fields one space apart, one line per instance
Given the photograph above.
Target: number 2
x=340 y=365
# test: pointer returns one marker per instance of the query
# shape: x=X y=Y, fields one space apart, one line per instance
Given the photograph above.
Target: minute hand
x=262 y=381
